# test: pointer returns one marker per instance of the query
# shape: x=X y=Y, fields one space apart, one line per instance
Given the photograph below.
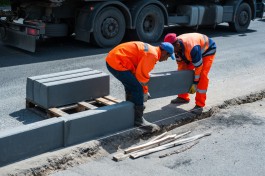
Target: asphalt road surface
x=235 y=147
x=238 y=70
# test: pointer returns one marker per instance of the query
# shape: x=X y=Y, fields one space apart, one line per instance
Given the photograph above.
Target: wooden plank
x=158 y=137
x=55 y=112
x=155 y=143
x=150 y=144
x=121 y=156
x=166 y=146
x=104 y=101
x=82 y=106
x=65 y=108
x=115 y=100
x=182 y=149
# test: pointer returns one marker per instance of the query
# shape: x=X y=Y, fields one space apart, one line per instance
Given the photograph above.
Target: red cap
x=171 y=38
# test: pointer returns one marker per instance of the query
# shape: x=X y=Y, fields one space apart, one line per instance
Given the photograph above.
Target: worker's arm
x=196 y=57
x=143 y=69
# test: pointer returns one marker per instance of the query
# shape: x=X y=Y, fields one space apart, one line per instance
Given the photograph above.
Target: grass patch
x=4 y=2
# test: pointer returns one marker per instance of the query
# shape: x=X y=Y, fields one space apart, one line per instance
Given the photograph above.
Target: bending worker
x=131 y=64
x=196 y=52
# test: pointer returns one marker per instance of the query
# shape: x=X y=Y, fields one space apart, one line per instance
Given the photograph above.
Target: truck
x=105 y=23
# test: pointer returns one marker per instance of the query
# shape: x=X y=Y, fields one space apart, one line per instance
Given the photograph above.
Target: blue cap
x=168 y=47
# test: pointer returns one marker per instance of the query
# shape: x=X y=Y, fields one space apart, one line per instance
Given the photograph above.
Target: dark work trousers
x=131 y=84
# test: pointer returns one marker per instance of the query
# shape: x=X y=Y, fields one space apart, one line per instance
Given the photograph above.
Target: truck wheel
x=149 y=24
x=243 y=18
x=109 y=27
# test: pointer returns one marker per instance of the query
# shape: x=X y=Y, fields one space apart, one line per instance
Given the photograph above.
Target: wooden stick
x=150 y=144
x=84 y=105
x=182 y=149
x=105 y=101
x=155 y=143
x=158 y=137
x=56 y=112
x=166 y=146
x=115 y=100
x=121 y=156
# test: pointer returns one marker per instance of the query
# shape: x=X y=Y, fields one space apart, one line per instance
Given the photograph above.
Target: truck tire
x=243 y=18
x=109 y=27
x=149 y=24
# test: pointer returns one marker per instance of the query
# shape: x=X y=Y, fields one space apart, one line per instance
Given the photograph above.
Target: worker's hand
x=193 y=89
x=146 y=96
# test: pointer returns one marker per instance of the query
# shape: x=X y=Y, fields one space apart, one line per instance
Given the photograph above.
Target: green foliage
x=4 y=2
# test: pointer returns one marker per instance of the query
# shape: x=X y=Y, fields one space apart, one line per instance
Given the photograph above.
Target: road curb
x=37 y=138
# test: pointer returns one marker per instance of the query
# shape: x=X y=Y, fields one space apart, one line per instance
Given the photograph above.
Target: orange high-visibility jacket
x=194 y=47
x=138 y=57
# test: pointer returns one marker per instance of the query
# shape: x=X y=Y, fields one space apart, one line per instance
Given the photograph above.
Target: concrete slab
x=30 y=140
x=31 y=80
x=92 y=124
x=170 y=83
x=64 y=92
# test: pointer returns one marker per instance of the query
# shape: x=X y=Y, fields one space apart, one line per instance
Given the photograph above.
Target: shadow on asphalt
x=26 y=117
x=262 y=20
x=173 y=114
x=65 y=48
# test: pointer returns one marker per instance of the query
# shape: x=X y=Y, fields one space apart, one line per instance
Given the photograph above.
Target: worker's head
x=167 y=50
x=172 y=38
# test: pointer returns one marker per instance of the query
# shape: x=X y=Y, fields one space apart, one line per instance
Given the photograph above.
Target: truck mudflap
x=18 y=39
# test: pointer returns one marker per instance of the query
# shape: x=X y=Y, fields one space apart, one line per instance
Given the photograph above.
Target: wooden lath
x=115 y=100
x=74 y=108
x=82 y=106
x=105 y=101
x=55 y=112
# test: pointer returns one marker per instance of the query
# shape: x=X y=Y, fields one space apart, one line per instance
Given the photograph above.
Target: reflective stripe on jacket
x=194 y=47
x=138 y=57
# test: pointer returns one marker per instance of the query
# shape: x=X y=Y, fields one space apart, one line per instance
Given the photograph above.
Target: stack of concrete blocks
x=61 y=89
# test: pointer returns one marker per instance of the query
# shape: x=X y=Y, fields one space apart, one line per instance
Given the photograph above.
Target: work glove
x=146 y=96
x=193 y=88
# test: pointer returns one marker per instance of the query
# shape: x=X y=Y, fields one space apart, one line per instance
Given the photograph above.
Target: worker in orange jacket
x=196 y=52
x=131 y=64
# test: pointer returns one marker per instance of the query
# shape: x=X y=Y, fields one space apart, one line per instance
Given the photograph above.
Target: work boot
x=197 y=110
x=179 y=100
x=140 y=121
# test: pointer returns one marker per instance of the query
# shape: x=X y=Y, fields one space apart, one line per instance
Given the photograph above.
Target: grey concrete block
x=92 y=124
x=170 y=83
x=64 y=92
x=30 y=140
x=31 y=80
x=37 y=84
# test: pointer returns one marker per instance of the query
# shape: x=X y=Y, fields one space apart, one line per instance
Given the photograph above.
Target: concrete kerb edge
x=24 y=133
x=30 y=140
x=78 y=150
